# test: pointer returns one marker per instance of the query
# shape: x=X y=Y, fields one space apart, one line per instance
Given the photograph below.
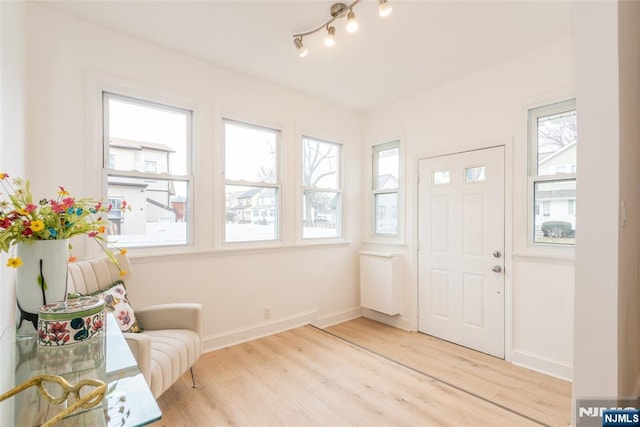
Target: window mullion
x=253 y=184
x=148 y=175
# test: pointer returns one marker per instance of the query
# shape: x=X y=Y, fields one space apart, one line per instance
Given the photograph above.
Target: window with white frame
x=321 y=189
x=553 y=139
x=252 y=182
x=386 y=188
x=138 y=133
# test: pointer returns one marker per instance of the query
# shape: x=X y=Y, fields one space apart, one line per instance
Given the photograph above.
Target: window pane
x=251 y=213
x=320 y=164
x=140 y=134
x=321 y=214
x=474 y=174
x=557 y=138
x=556 y=221
x=250 y=153
x=159 y=209
x=386 y=206
x=441 y=177
x=388 y=169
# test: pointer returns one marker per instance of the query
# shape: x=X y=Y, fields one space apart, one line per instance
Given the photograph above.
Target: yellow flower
x=123 y=272
x=14 y=262
x=102 y=229
x=3 y=175
x=36 y=226
x=22 y=212
x=123 y=251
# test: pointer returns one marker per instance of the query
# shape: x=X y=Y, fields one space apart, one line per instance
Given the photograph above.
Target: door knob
x=497 y=254
x=496 y=269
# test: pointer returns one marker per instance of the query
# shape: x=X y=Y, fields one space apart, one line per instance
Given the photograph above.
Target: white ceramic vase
x=41 y=279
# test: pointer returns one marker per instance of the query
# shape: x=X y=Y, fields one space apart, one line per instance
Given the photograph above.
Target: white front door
x=461 y=249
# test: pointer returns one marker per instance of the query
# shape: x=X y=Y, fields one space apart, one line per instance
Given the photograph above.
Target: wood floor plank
x=308 y=377
x=536 y=395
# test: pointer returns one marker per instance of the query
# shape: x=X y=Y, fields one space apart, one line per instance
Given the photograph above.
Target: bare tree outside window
x=555 y=132
x=321 y=188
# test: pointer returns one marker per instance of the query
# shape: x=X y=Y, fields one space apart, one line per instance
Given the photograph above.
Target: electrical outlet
x=267 y=313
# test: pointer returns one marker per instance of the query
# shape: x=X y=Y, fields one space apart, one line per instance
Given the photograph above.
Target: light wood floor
x=308 y=377
x=541 y=397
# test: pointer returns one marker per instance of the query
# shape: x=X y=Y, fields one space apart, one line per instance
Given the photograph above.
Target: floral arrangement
x=23 y=220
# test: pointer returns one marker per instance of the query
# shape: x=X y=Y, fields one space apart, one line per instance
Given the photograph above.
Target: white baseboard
x=543 y=364
x=338 y=317
x=396 y=321
x=241 y=335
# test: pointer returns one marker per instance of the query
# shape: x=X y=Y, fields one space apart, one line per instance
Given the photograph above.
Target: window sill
x=191 y=253
x=565 y=257
x=387 y=241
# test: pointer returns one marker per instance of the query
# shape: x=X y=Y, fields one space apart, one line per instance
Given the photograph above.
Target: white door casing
x=461 y=249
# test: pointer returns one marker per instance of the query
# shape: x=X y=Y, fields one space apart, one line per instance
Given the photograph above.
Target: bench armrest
x=171 y=316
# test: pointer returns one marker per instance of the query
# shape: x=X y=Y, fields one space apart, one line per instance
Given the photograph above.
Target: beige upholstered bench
x=171 y=341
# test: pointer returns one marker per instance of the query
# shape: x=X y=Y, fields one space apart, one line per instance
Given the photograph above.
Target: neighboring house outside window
x=147 y=149
x=321 y=189
x=252 y=186
x=553 y=140
x=386 y=188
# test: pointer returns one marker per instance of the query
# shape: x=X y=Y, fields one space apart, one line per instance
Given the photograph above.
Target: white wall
x=12 y=142
x=596 y=294
x=12 y=124
x=606 y=337
x=485 y=109
x=69 y=60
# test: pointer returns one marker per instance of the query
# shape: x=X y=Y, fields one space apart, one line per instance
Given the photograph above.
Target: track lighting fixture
x=302 y=51
x=338 y=10
x=384 y=8
x=330 y=38
x=352 y=24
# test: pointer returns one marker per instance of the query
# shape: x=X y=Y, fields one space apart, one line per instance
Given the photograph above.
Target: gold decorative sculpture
x=88 y=401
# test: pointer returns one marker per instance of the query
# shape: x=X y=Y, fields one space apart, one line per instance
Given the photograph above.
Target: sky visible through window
x=145 y=123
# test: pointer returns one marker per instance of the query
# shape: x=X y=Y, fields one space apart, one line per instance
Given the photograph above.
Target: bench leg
x=193 y=377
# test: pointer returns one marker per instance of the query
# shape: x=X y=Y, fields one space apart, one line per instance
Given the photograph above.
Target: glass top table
x=128 y=400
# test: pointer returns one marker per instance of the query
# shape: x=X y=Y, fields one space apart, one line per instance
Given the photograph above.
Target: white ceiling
x=421 y=45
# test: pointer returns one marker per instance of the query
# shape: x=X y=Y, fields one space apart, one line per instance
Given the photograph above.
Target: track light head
x=330 y=38
x=352 y=24
x=302 y=50
x=384 y=8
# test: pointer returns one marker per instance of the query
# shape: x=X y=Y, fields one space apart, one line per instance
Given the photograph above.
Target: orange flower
x=73 y=258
